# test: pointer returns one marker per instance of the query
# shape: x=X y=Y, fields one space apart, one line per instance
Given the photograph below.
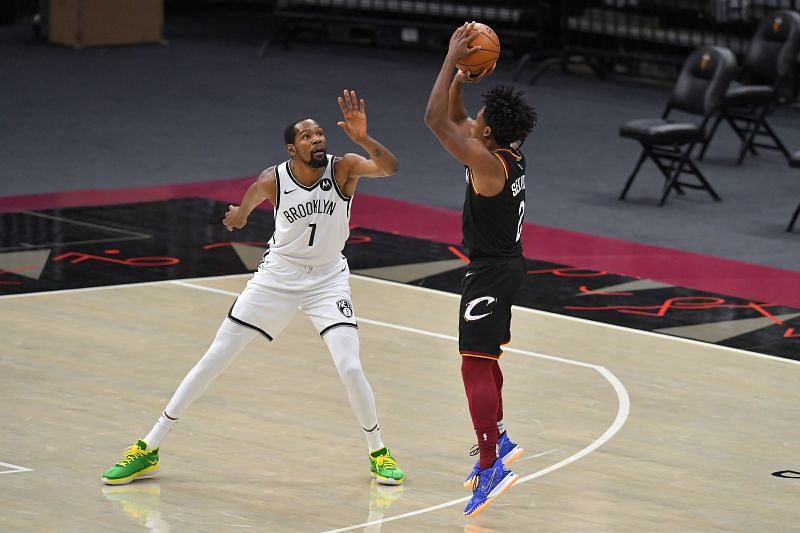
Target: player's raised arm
x=382 y=162
x=263 y=188
x=456 y=140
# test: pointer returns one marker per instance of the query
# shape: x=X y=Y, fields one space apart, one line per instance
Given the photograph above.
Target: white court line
x=13 y=469
x=661 y=336
x=89 y=224
x=623 y=409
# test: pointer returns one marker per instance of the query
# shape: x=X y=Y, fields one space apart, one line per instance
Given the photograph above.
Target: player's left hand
x=475 y=78
x=354 y=124
x=234 y=218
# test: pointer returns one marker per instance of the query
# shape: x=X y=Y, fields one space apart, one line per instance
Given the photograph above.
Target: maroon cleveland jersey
x=492 y=225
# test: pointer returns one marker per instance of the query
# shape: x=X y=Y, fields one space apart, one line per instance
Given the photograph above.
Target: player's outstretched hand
x=354 y=124
x=234 y=218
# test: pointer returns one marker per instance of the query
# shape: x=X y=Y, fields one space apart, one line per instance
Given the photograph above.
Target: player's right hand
x=459 y=42
x=234 y=218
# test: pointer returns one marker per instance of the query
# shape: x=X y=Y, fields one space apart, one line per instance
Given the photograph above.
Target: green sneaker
x=138 y=463
x=384 y=467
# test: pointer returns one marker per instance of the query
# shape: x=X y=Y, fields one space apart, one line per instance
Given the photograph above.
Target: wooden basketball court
x=623 y=430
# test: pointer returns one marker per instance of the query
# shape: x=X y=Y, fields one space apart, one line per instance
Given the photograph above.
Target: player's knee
x=343 y=345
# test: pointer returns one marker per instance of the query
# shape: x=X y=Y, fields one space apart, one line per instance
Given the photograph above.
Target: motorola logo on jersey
x=469 y=312
x=345 y=308
x=326 y=184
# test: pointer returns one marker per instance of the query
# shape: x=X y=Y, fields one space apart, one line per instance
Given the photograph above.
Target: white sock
x=500 y=427
x=230 y=340
x=162 y=427
x=343 y=345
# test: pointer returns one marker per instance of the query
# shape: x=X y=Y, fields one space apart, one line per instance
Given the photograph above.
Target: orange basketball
x=483 y=59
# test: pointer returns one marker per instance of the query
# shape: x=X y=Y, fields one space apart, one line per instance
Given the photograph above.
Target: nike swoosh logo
x=152 y=462
x=468 y=274
x=287 y=192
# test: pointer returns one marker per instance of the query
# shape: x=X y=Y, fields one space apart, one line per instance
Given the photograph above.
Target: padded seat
x=660 y=131
x=739 y=94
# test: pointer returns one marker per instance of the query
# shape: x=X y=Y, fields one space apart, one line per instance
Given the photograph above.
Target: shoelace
x=386 y=461
x=131 y=453
x=476 y=482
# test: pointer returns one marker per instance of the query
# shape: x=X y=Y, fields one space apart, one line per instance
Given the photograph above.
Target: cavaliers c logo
x=469 y=312
x=704 y=61
x=776 y=24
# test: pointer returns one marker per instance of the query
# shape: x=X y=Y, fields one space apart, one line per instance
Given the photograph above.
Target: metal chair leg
x=628 y=183
x=709 y=136
x=794 y=218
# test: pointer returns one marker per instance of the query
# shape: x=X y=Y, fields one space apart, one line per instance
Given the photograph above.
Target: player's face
x=480 y=130
x=309 y=144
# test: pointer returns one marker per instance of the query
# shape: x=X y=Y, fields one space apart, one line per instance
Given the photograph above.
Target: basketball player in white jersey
x=303 y=266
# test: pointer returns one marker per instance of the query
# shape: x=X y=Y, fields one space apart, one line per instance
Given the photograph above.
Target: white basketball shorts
x=279 y=287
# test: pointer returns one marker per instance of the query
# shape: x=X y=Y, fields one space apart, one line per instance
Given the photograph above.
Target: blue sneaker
x=508 y=451
x=489 y=484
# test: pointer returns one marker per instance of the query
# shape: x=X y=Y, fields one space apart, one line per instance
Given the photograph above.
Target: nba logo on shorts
x=345 y=308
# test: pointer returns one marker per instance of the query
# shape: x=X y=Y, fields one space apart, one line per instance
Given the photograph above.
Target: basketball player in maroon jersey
x=492 y=222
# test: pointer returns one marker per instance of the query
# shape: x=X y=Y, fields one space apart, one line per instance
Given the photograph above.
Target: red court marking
x=260 y=244
x=569 y=272
x=789 y=334
x=18 y=268
x=586 y=290
x=766 y=313
x=78 y=257
x=563 y=247
x=456 y=252
x=686 y=303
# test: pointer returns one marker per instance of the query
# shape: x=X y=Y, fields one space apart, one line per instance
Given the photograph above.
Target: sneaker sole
x=386 y=480
x=145 y=474
x=509 y=458
x=504 y=485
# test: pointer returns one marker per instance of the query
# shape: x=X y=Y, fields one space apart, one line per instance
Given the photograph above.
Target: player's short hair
x=290 y=132
x=508 y=114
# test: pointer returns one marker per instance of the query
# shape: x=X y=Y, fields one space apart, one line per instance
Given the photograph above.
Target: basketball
x=483 y=59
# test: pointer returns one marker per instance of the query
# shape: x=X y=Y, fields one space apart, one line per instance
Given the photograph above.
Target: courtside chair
x=699 y=90
x=794 y=161
x=771 y=59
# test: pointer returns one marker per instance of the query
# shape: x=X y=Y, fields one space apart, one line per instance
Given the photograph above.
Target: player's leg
x=141 y=459
x=259 y=309
x=507 y=450
x=483 y=324
x=330 y=309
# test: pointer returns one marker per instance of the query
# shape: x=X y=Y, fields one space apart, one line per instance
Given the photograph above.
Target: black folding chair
x=699 y=90
x=770 y=60
x=794 y=161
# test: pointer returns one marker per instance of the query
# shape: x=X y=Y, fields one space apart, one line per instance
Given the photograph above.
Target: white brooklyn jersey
x=312 y=223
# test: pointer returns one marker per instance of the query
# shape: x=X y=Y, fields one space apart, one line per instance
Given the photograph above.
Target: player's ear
x=291 y=149
x=487 y=131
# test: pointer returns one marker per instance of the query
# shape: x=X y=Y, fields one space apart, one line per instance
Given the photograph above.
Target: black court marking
x=184 y=238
